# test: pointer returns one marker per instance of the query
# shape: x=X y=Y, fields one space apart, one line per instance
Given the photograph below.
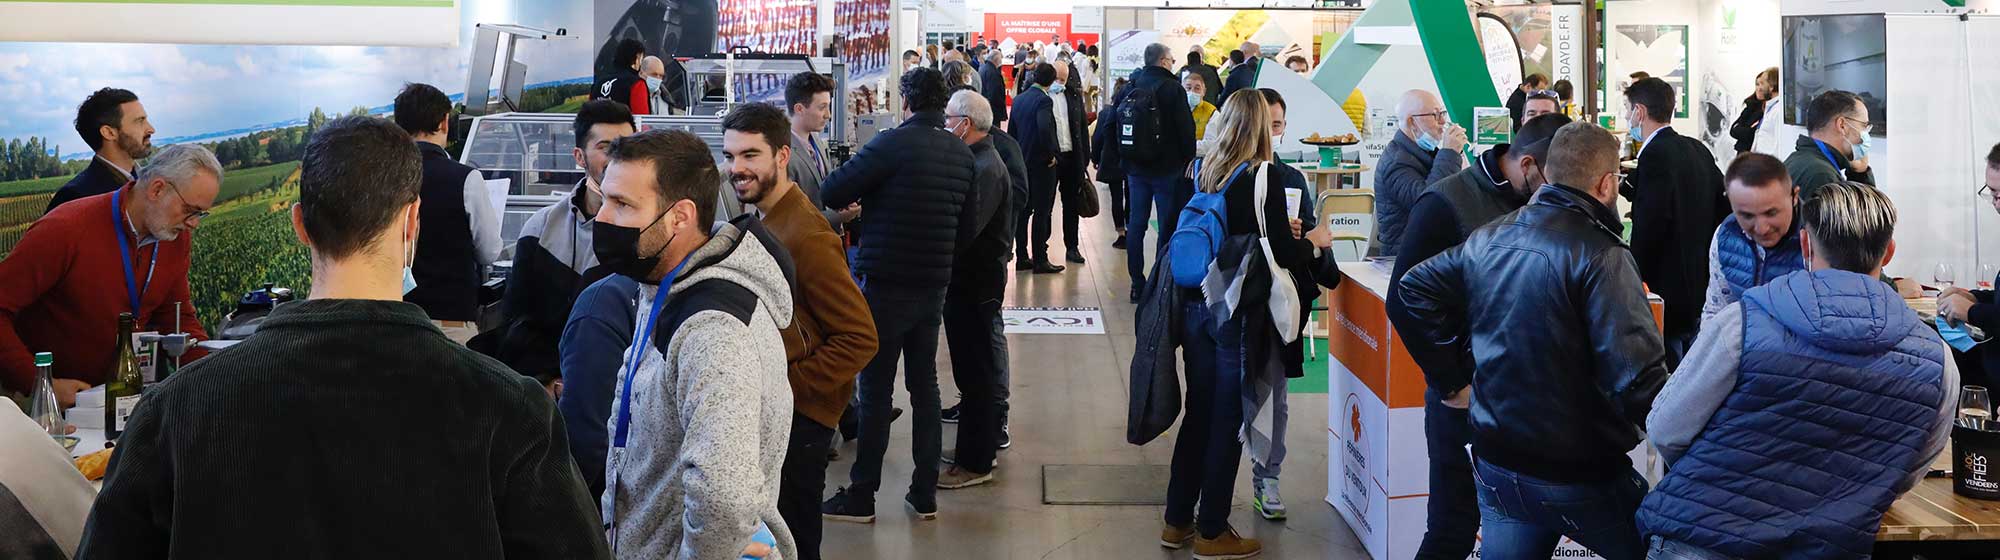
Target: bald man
x=1074 y=146
x=654 y=71
x=1425 y=150
x=1244 y=76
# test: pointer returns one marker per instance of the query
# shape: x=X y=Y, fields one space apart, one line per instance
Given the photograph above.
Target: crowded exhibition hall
x=775 y=279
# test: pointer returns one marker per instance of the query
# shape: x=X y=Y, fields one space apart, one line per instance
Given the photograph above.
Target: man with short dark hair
x=1150 y=180
x=462 y=228
x=1759 y=241
x=1499 y=182
x=703 y=407
x=1298 y=65
x=553 y=260
x=1210 y=77
x=1677 y=202
x=1551 y=461
x=1835 y=146
x=417 y=446
x=1517 y=103
x=621 y=81
x=916 y=182
x=1042 y=134
x=1805 y=409
x=831 y=336
x=1244 y=75
x=1540 y=102
x=809 y=101
x=113 y=124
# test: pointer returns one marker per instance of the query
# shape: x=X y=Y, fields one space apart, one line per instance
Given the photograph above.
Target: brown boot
x=1176 y=537
x=1226 y=546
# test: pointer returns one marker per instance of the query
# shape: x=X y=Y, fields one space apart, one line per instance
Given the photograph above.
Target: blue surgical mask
x=1194 y=99
x=1633 y=132
x=1056 y=89
x=1861 y=149
x=1427 y=142
x=1956 y=336
x=409 y=278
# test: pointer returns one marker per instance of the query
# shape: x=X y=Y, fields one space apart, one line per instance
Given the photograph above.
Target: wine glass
x=1986 y=274
x=1975 y=406
x=1945 y=275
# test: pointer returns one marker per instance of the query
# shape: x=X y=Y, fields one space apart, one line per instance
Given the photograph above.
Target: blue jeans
x=1139 y=190
x=1451 y=526
x=1660 y=548
x=1524 y=517
x=1207 y=452
x=906 y=322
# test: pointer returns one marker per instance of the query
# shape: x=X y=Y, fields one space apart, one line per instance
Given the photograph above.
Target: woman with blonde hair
x=1207 y=452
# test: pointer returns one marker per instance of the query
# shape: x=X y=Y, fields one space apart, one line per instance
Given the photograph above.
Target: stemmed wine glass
x=1975 y=407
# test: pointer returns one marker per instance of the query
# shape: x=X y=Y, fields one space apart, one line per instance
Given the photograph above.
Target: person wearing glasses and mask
x=1425 y=150
x=1977 y=307
x=1835 y=146
x=81 y=265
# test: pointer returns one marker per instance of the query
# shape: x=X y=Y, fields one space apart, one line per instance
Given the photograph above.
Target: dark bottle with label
x=123 y=382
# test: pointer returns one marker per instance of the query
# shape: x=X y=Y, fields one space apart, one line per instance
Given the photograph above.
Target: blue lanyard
x=132 y=286
x=638 y=351
x=1837 y=168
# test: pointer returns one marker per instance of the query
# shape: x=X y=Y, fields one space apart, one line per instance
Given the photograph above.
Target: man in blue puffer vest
x=1821 y=394
x=1759 y=240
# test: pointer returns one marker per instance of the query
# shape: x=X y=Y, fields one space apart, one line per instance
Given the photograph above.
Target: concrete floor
x=1069 y=403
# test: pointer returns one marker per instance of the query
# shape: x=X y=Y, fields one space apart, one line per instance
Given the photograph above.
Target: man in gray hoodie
x=698 y=440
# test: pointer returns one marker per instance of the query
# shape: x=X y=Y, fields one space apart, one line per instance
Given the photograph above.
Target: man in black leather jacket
x=1565 y=354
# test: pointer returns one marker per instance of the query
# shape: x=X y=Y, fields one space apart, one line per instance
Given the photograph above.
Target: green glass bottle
x=123 y=382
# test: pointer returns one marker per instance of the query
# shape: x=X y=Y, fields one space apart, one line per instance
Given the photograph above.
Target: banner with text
x=1027 y=28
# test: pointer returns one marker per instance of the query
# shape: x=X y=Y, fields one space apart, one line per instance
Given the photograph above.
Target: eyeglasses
x=1865 y=125
x=1988 y=191
x=192 y=212
x=1544 y=92
x=1440 y=115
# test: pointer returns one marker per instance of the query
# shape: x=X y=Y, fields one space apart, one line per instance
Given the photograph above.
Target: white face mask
x=1277 y=139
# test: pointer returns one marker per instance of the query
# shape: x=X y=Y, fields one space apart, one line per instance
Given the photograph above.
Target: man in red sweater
x=65 y=284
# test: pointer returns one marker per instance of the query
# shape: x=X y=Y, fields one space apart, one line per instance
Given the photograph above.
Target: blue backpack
x=1204 y=223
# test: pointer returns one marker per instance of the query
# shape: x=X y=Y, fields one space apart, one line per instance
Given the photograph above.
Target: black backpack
x=1139 y=126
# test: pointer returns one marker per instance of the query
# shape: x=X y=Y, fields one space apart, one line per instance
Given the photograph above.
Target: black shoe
x=1006 y=437
x=949 y=415
x=894 y=413
x=850 y=508
x=1075 y=256
x=1043 y=267
x=1118 y=243
x=926 y=508
x=1023 y=262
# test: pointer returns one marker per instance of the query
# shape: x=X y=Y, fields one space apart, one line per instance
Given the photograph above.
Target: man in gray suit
x=809 y=100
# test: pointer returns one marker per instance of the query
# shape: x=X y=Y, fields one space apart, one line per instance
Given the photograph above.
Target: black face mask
x=617 y=249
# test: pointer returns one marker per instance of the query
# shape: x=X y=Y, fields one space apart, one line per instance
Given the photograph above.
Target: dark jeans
x=1070 y=183
x=1116 y=183
x=970 y=306
x=1031 y=228
x=803 y=482
x=1524 y=517
x=1452 y=525
x=1141 y=190
x=906 y=322
x=1207 y=453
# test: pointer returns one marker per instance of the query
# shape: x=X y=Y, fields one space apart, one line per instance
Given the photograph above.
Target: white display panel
x=409 y=23
x=1925 y=164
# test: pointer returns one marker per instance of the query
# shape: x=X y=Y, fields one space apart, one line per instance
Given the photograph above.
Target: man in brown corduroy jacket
x=832 y=334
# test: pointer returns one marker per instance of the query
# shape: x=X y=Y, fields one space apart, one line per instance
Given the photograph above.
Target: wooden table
x=1330 y=177
x=1931 y=512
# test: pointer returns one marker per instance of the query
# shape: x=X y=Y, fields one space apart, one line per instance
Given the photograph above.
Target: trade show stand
x=1377 y=463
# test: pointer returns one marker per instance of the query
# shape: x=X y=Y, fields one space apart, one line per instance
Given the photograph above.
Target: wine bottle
x=123 y=382
x=47 y=412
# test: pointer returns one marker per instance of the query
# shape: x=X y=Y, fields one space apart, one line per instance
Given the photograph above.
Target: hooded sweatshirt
x=708 y=428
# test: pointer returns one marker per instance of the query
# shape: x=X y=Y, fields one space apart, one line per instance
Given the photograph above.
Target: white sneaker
x=1266 y=499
